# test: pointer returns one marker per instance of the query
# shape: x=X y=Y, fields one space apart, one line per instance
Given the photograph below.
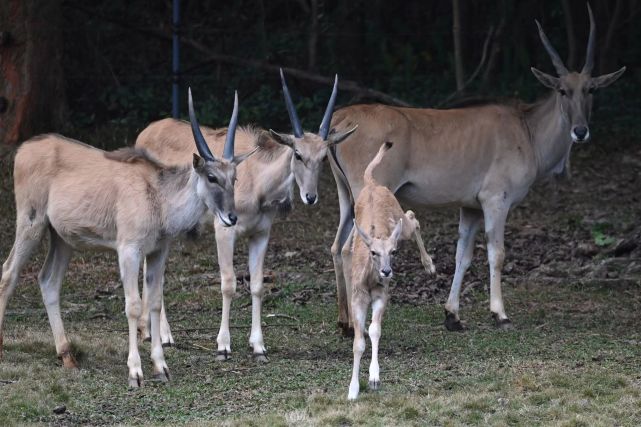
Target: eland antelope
x=265 y=187
x=483 y=159
x=369 y=269
x=125 y=201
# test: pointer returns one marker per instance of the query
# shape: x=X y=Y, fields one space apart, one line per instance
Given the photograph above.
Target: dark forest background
x=116 y=56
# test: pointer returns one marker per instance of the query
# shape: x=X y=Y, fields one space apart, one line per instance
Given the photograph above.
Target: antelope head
x=381 y=251
x=216 y=176
x=575 y=90
x=309 y=148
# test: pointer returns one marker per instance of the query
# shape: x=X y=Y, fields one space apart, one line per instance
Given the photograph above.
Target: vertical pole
x=175 y=68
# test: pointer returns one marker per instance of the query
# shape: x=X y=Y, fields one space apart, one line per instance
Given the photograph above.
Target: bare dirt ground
x=572 y=281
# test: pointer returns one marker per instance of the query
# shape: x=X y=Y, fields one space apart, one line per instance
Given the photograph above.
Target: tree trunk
x=31 y=79
x=313 y=36
x=609 y=53
x=458 y=55
x=571 y=62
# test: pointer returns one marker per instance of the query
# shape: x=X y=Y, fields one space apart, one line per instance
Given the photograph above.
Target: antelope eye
x=373 y=253
x=562 y=92
x=298 y=156
x=211 y=178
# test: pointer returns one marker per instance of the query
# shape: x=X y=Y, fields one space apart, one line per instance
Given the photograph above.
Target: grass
x=562 y=365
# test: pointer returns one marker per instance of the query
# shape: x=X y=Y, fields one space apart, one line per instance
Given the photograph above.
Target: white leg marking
x=360 y=304
x=378 y=308
x=257 y=250
x=129 y=261
x=225 y=246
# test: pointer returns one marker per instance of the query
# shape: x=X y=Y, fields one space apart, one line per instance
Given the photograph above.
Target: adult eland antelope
x=483 y=159
x=125 y=201
x=265 y=187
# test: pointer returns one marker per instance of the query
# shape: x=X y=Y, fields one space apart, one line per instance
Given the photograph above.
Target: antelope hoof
x=374 y=384
x=68 y=361
x=163 y=376
x=261 y=357
x=347 y=331
x=223 y=355
x=502 y=324
x=452 y=323
x=135 y=382
x=167 y=344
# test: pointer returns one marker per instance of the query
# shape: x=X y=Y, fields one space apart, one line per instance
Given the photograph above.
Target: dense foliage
x=118 y=53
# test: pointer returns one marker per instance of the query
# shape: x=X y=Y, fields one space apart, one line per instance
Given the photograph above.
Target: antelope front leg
x=225 y=239
x=495 y=217
x=144 y=325
x=257 y=250
x=469 y=224
x=129 y=262
x=154 y=278
x=360 y=302
x=379 y=302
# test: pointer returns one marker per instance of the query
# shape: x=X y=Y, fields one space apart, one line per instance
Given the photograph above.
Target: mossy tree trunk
x=32 y=97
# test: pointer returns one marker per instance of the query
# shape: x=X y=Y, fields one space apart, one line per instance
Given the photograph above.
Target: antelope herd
x=482 y=159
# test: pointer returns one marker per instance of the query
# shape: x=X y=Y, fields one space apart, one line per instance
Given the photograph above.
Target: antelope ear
x=607 y=79
x=364 y=236
x=337 y=138
x=198 y=161
x=239 y=159
x=396 y=233
x=282 y=138
x=546 y=79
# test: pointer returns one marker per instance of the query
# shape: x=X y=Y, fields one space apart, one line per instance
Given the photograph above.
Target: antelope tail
x=368 y=178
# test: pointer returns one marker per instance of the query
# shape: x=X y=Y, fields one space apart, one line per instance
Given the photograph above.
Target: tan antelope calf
x=482 y=159
x=125 y=201
x=380 y=224
x=265 y=187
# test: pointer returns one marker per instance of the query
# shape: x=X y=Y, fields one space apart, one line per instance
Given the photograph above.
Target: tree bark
x=569 y=29
x=31 y=78
x=458 y=55
x=609 y=52
x=313 y=35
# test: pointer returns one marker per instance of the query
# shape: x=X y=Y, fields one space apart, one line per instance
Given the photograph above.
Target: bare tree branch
x=213 y=57
x=478 y=69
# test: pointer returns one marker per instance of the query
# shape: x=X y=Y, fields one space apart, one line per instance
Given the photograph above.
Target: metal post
x=175 y=68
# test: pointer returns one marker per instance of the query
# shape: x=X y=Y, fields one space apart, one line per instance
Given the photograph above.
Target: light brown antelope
x=369 y=270
x=125 y=201
x=265 y=187
x=483 y=159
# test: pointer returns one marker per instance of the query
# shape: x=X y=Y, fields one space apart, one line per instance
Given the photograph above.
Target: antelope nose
x=386 y=272
x=232 y=218
x=310 y=198
x=580 y=132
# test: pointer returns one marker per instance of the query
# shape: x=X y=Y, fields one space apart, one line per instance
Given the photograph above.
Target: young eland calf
x=125 y=201
x=265 y=187
x=368 y=262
